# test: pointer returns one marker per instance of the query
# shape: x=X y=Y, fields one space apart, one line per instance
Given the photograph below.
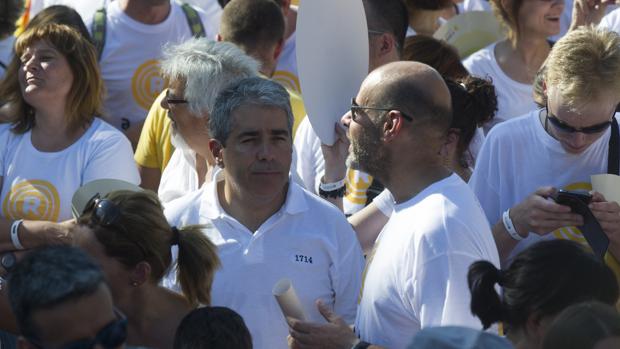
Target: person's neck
x=291 y=22
x=153 y=314
x=424 y=22
x=145 y=12
x=406 y=181
x=250 y=211
x=523 y=60
x=51 y=131
x=458 y=168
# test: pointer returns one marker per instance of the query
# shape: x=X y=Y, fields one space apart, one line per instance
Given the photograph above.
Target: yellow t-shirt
x=154 y=148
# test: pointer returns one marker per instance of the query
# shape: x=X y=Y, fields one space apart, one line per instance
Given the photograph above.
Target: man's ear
x=219 y=37
x=392 y=125
x=217 y=150
x=387 y=45
x=278 y=49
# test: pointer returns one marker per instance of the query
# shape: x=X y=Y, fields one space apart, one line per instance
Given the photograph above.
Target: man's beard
x=369 y=155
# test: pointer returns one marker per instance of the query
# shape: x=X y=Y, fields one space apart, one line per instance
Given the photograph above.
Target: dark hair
x=436 y=53
x=252 y=24
x=142 y=233
x=388 y=16
x=474 y=103
x=10 y=11
x=213 y=328
x=581 y=326
x=48 y=277
x=542 y=280
x=428 y=4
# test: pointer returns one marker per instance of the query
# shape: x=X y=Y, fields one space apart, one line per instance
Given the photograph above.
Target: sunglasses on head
x=111 y=336
x=105 y=213
x=564 y=127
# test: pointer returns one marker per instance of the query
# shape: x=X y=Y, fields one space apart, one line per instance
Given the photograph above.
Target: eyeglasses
x=355 y=107
x=174 y=100
x=111 y=336
x=564 y=127
x=105 y=213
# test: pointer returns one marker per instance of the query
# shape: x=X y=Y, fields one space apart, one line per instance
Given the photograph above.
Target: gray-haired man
x=267 y=227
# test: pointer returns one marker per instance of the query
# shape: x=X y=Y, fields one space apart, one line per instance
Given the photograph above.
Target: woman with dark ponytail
x=539 y=283
x=127 y=233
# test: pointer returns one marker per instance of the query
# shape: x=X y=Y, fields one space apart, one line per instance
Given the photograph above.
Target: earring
x=134 y=283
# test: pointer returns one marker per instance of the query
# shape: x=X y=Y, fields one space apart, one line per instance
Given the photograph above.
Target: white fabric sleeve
x=110 y=156
x=309 y=157
x=385 y=202
x=5 y=134
x=346 y=272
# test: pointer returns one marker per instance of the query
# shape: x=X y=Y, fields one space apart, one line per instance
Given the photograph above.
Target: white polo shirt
x=308 y=241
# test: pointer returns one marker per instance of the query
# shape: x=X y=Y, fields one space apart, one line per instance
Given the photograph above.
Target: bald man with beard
x=416 y=274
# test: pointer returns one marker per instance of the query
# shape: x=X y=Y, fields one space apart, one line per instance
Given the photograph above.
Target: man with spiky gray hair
x=197 y=70
x=266 y=227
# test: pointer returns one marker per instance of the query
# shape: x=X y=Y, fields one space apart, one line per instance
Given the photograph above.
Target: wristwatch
x=7 y=261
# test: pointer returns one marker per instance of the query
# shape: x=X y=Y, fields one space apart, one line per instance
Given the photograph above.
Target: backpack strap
x=613 y=161
x=98 y=31
x=193 y=20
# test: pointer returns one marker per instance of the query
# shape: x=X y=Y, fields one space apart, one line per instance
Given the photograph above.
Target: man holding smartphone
x=525 y=160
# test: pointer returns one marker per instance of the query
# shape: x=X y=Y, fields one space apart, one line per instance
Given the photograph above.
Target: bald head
x=414 y=88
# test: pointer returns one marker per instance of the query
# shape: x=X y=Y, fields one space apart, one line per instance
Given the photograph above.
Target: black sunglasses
x=174 y=100
x=105 y=213
x=564 y=127
x=355 y=106
x=111 y=336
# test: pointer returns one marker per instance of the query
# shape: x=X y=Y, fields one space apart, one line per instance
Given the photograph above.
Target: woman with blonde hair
x=512 y=63
x=127 y=233
x=54 y=142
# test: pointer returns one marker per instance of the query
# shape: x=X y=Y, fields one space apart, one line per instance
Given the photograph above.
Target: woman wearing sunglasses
x=127 y=233
x=524 y=161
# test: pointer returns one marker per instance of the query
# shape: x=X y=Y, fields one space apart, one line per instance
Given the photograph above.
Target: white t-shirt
x=513 y=98
x=179 y=176
x=307 y=241
x=611 y=21
x=130 y=60
x=518 y=157
x=39 y=185
x=417 y=274
x=286 y=70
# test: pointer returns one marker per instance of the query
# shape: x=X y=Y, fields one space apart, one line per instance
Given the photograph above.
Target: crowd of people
x=455 y=208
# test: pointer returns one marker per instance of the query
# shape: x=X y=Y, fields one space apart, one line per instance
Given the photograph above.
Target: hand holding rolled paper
x=287 y=299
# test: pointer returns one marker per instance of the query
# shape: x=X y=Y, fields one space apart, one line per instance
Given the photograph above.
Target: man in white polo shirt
x=267 y=227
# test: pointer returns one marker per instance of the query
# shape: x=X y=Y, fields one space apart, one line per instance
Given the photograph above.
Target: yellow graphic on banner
x=357 y=185
x=32 y=199
x=288 y=80
x=147 y=83
x=573 y=233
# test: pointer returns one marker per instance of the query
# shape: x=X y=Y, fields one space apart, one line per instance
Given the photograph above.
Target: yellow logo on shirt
x=287 y=80
x=147 y=83
x=32 y=199
x=573 y=233
x=357 y=185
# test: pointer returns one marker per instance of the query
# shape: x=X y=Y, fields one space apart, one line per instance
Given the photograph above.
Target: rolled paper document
x=608 y=185
x=287 y=299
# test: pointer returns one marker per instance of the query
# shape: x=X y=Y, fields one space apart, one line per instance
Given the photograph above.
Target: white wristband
x=14 y=234
x=510 y=228
x=331 y=186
